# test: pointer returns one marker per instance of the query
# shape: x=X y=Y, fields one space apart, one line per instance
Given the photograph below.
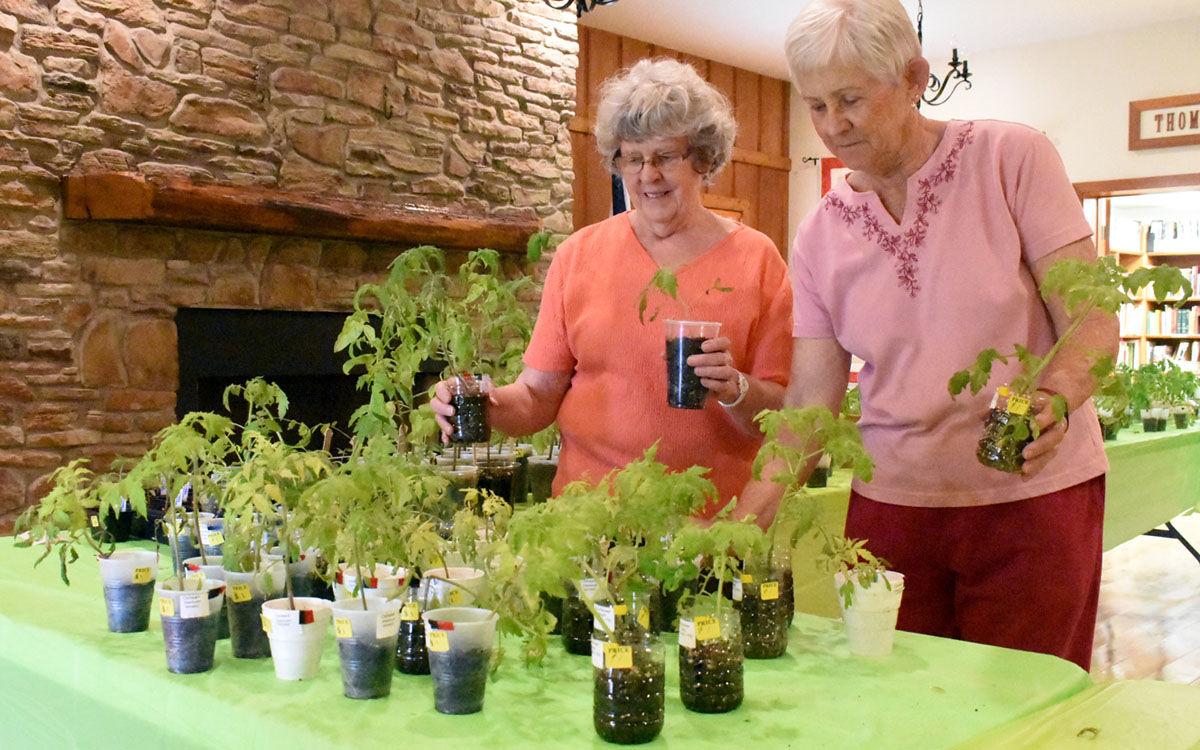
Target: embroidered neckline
x=902 y=247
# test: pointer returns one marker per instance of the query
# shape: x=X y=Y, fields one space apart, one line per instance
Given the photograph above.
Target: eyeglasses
x=632 y=164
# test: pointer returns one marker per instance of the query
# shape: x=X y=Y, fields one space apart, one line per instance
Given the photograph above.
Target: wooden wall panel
x=754 y=184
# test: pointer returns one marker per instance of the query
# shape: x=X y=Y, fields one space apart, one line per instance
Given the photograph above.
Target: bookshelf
x=1150 y=229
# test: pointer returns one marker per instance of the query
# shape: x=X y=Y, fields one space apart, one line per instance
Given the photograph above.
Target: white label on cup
x=687 y=633
x=607 y=617
x=388 y=624
x=193 y=604
x=737 y=589
x=597 y=653
x=284 y=621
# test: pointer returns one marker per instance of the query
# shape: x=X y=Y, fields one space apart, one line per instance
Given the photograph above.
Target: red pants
x=1024 y=574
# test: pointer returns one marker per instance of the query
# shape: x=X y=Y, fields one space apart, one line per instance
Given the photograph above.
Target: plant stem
x=196 y=522
x=1031 y=378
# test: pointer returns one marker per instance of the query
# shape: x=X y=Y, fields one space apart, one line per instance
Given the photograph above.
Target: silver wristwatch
x=743 y=387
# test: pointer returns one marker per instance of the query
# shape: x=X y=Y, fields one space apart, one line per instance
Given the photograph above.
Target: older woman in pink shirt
x=931 y=250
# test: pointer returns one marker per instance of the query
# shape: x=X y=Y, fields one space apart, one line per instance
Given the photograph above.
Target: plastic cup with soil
x=460 y=642
x=212 y=570
x=212 y=536
x=542 y=471
x=115 y=526
x=451 y=587
x=499 y=476
x=1181 y=416
x=366 y=637
x=576 y=621
x=460 y=477
x=128 y=577
x=468 y=396
x=871 y=617
x=765 y=613
x=685 y=338
x=245 y=595
x=711 y=660
x=1007 y=429
x=297 y=635
x=628 y=684
x=302 y=572
x=385 y=581
x=190 y=613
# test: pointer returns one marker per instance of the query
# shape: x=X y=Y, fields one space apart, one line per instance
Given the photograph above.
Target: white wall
x=1076 y=90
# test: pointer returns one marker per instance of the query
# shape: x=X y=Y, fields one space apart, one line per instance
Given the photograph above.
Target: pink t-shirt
x=919 y=301
x=616 y=406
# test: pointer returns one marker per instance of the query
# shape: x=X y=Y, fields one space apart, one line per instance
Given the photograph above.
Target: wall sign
x=1166 y=122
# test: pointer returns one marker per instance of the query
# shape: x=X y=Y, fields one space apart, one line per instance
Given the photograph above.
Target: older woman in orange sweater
x=595 y=367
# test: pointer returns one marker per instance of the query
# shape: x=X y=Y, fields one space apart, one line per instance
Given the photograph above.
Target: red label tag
x=338 y=577
x=372 y=583
x=193 y=567
x=442 y=624
x=307 y=616
x=214 y=593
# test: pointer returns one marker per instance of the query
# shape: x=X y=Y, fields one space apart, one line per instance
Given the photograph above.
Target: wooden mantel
x=124 y=196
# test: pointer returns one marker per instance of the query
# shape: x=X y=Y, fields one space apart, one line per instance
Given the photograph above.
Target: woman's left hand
x=1052 y=431
x=715 y=368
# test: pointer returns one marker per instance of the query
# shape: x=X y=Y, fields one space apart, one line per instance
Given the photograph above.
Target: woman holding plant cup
x=595 y=364
x=932 y=250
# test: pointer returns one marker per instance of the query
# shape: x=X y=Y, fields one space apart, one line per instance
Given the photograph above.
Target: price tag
x=597 y=654
x=95 y=522
x=142 y=575
x=388 y=625
x=747 y=578
x=211 y=538
x=437 y=641
x=643 y=618
x=769 y=591
x=455 y=596
x=620 y=610
x=193 y=604
x=239 y=592
x=589 y=586
x=1018 y=405
x=617 y=656
x=708 y=628
x=266 y=624
x=737 y=589
x=342 y=628
x=166 y=606
x=687 y=633
x=411 y=612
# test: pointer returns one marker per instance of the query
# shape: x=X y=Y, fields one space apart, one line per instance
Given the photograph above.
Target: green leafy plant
x=63 y=518
x=666 y=283
x=852 y=559
x=615 y=533
x=540 y=243
x=1179 y=385
x=720 y=548
x=1082 y=287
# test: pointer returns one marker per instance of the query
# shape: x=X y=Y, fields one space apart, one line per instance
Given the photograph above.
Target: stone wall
x=459 y=103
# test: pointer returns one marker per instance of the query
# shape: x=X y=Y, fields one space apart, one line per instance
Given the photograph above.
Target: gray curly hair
x=665 y=98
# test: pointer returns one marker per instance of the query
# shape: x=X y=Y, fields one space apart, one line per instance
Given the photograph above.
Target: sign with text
x=1166 y=122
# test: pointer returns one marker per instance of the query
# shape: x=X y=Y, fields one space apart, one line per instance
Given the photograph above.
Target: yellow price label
x=341 y=627
x=95 y=522
x=769 y=591
x=707 y=628
x=1018 y=405
x=1003 y=390
x=455 y=597
x=437 y=641
x=643 y=618
x=142 y=575
x=617 y=656
x=239 y=592
x=215 y=538
x=166 y=606
x=747 y=578
x=620 y=610
x=266 y=624
x=410 y=612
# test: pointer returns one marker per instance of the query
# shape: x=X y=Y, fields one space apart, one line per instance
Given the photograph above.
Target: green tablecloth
x=1113 y=716
x=1152 y=478
x=66 y=682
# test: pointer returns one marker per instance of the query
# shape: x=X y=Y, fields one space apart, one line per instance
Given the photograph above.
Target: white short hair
x=664 y=98
x=874 y=35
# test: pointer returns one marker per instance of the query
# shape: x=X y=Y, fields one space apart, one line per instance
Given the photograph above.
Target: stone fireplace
x=343 y=108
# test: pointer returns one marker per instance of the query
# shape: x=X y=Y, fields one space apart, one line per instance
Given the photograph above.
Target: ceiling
x=749 y=33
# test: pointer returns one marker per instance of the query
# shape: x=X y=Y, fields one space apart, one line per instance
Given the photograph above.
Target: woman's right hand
x=443 y=410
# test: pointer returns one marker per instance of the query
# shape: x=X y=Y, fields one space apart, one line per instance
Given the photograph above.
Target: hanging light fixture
x=581 y=6
x=959 y=73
